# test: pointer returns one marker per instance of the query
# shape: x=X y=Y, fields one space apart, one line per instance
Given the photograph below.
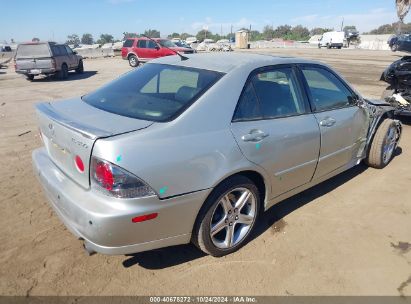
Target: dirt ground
x=348 y=236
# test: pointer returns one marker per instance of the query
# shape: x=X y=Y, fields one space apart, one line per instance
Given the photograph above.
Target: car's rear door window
x=271 y=93
x=326 y=90
x=155 y=92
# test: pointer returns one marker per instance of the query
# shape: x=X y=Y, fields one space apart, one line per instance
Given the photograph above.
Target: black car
x=400 y=43
x=398 y=76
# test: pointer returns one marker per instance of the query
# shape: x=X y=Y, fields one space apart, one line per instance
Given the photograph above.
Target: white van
x=332 y=39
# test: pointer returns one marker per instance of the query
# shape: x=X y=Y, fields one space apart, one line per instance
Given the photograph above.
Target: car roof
x=226 y=62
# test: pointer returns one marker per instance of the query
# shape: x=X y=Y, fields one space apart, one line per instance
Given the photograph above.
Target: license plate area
x=35 y=71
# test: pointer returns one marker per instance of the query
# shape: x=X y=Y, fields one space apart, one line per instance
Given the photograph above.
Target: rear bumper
x=105 y=223
x=38 y=72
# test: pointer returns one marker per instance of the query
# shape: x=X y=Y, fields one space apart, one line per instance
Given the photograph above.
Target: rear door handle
x=254 y=136
x=328 y=122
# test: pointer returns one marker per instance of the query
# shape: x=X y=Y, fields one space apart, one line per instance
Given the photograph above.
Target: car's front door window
x=327 y=91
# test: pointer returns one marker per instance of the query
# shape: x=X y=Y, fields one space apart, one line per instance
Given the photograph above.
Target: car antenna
x=174 y=51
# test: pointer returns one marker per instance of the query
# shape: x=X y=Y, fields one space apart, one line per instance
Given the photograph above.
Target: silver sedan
x=195 y=149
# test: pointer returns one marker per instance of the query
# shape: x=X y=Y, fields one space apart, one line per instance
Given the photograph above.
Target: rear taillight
x=116 y=181
x=53 y=63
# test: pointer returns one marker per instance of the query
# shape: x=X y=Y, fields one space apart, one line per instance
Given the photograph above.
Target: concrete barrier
x=374 y=42
x=280 y=44
x=95 y=53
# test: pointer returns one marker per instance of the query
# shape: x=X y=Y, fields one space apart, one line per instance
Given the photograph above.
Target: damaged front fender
x=378 y=110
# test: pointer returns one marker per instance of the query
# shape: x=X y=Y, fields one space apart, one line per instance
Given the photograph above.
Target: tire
x=394 y=47
x=319 y=46
x=219 y=210
x=63 y=73
x=80 y=67
x=133 y=61
x=383 y=145
x=328 y=46
x=339 y=47
x=30 y=77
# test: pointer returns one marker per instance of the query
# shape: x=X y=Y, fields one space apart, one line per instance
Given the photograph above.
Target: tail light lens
x=53 y=63
x=116 y=181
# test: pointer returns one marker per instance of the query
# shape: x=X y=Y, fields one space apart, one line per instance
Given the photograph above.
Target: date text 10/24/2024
x=203 y=299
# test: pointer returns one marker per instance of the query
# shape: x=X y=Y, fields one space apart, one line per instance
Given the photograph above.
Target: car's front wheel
x=383 y=145
x=133 y=61
x=228 y=216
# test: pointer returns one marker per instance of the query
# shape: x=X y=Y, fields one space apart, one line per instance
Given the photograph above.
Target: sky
x=55 y=19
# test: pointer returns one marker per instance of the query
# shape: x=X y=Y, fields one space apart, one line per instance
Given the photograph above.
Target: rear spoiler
x=45 y=108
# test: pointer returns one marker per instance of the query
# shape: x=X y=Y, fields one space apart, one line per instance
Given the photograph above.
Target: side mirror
x=157 y=47
x=75 y=52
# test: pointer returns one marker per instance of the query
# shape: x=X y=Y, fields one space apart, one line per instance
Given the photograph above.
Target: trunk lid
x=70 y=128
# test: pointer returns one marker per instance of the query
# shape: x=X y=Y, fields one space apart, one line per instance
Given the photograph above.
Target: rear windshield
x=154 y=92
x=33 y=51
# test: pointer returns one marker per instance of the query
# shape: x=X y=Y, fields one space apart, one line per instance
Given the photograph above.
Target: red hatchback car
x=137 y=50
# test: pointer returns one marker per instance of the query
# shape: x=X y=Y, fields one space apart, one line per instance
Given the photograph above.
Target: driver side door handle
x=254 y=136
x=327 y=122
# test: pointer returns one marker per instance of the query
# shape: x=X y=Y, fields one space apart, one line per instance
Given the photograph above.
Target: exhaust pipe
x=88 y=249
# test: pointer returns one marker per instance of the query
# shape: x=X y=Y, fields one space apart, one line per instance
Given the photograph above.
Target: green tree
x=203 y=34
x=320 y=31
x=256 y=35
x=105 y=38
x=35 y=39
x=152 y=33
x=282 y=31
x=298 y=32
x=129 y=35
x=73 y=39
x=184 y=36
x=174 y=35
x=87 y=39
x=268 y=32
x=384 y=29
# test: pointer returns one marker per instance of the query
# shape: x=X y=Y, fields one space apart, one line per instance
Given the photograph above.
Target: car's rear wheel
x=383 y=145
x=133 y=61
x=30 y=77
x=63 y=73
x=228 y=216
x=80 y=67
x=394 y=47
